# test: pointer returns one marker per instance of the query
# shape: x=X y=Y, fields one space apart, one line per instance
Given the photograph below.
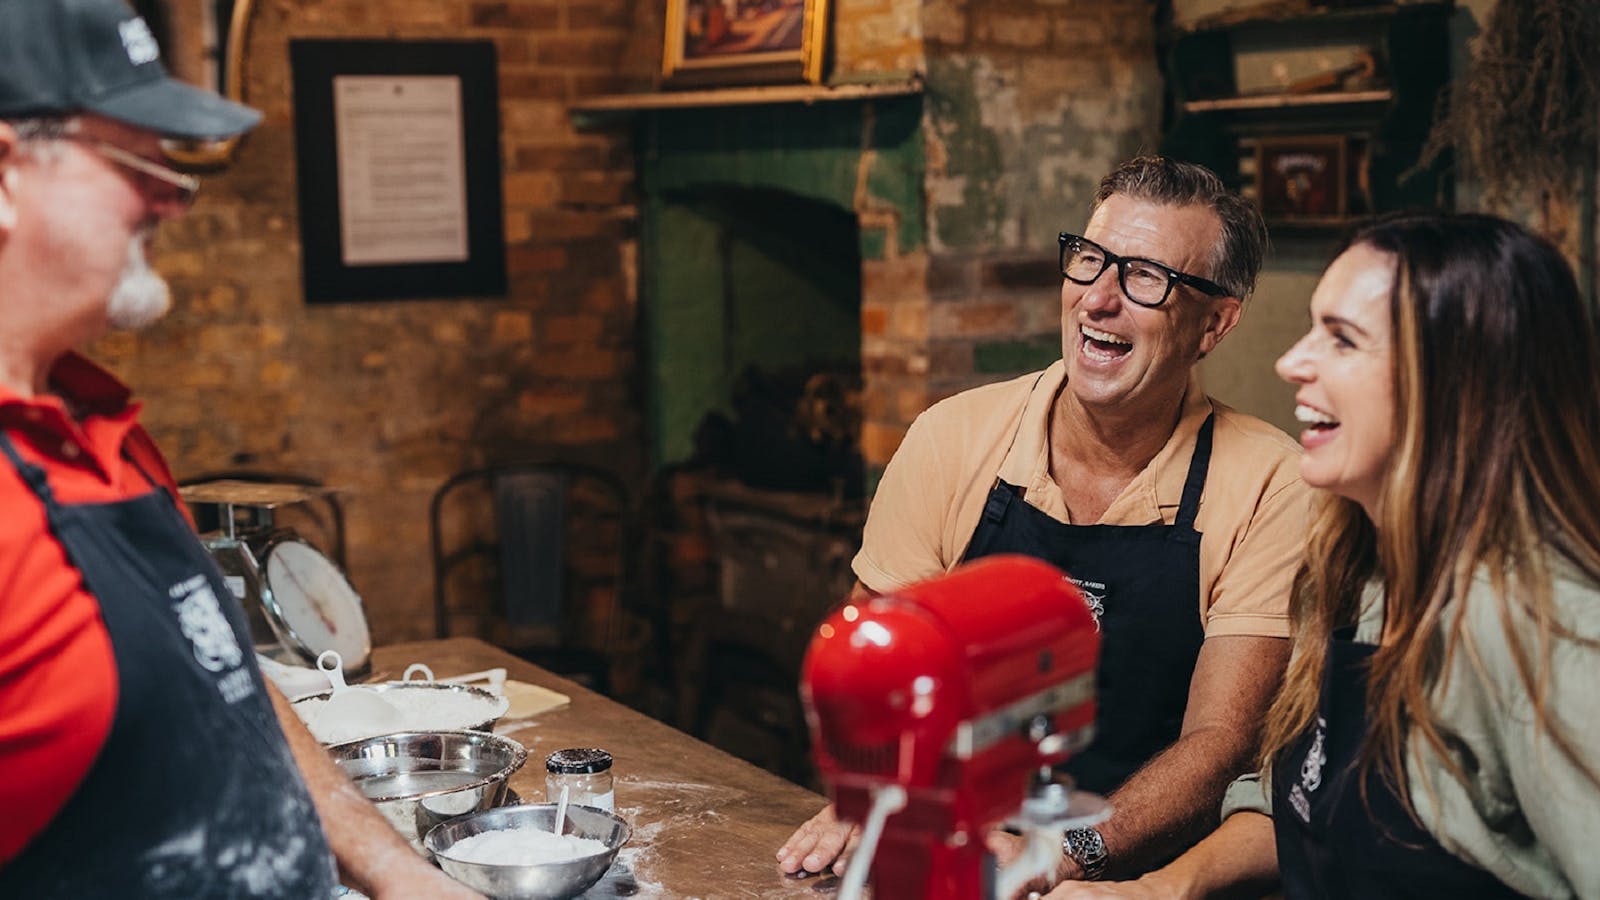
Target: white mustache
x=141 y=296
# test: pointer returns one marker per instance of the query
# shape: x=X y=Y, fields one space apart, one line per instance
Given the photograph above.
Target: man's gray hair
x=36 y=134
x=1236 y=260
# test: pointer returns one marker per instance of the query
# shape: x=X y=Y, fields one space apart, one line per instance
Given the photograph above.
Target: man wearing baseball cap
x=141 y=752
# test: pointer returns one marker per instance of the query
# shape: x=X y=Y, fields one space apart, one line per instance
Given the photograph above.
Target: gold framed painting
x=726 y=42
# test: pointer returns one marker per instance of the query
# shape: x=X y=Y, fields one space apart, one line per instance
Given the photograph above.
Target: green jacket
x=1526 y=813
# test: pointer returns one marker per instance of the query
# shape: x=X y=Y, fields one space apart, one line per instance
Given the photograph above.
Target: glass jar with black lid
x=585 y=773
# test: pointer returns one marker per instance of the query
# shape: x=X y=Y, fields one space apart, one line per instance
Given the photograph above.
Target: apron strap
x=994 y=509
x=1199 y=464
x=31 y=474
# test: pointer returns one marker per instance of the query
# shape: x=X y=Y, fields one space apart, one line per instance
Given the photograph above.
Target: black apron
x=194 y=794
x=1330 y=845
x=1143 y=583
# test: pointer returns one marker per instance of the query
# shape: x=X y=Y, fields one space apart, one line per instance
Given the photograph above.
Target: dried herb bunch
x=1524 y=116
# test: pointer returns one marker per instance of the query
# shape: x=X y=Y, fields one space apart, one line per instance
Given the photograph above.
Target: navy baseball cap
x=59 y=57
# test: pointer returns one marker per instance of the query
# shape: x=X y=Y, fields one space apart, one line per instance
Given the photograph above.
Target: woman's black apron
x=194 y=794
x=1143 y=583
x=1331 y=844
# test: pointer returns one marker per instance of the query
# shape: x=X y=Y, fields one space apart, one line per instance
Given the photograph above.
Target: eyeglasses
x=1144 y=281
x=184 y=186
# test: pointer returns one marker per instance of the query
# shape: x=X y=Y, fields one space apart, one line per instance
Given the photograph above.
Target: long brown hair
x=1496 y=465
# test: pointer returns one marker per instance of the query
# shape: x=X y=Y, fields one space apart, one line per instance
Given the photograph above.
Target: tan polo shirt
x=1252 y=519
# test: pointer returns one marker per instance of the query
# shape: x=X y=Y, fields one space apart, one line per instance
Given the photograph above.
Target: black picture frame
x=314 y=64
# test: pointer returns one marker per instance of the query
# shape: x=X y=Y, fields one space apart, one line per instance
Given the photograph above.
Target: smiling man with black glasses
x=1181 y=520
x=1144 y=281
x=143 y=755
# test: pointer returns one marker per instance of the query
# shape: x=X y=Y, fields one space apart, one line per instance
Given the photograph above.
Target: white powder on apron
x=420 y=710
x=522 y=847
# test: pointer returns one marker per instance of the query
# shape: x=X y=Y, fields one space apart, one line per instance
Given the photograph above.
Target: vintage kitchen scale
x=299 y=602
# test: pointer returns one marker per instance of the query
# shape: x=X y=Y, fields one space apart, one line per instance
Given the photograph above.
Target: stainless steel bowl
x=420 y=779
x=494 y=702
x=567 y=878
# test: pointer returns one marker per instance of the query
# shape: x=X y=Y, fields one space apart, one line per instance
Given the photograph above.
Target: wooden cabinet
x=1321 y=117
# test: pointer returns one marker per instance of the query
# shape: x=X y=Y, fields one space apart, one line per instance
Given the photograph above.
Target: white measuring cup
x=355 y=706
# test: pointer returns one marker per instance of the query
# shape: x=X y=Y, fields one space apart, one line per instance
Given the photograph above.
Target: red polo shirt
x=58 y=678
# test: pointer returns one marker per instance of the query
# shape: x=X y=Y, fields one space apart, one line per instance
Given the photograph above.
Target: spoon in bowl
x=561 y=811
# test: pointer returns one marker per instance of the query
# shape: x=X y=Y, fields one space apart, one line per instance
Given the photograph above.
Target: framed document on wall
x=397 y=145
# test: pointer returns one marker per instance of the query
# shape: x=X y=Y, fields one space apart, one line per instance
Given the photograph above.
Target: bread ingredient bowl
x=421 y=779
x=554 y=879
x=422 y=706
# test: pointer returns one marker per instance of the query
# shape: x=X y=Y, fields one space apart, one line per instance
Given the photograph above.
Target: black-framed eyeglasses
x=1144 y=281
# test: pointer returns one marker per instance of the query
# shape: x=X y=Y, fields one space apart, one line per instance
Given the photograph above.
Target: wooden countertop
x=705 y=824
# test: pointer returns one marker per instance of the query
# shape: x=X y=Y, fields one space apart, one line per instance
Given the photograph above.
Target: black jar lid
x=578 y=761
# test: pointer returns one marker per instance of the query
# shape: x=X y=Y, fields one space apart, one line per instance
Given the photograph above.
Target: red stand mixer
x=936 y=712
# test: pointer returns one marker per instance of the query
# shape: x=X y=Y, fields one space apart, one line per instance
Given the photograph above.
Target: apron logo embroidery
x=215 y=646
x=1316 y=757
x=1094 y=593
x=1310 y=773
x=1301 y=804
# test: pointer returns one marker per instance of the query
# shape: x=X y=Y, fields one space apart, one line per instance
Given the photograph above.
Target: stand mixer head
x=937 y=709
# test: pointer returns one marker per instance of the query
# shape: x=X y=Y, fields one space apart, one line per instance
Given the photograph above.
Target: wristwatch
x=1085 y=847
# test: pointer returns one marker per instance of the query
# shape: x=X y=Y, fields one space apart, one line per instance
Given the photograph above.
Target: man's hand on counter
x=1006 y=847
x=422 y=882
x=822 y=842
x=1143 y=889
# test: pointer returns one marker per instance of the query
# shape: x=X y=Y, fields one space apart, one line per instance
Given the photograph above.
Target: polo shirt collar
x=92 y=388
x=77 y=386
x=1160 y=485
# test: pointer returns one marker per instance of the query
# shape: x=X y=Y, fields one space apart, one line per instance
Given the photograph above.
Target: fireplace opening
x=755 y=348
x=757 y=319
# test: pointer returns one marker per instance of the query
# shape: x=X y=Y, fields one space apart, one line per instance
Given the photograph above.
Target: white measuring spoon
x=561 y=811
x=358 y=706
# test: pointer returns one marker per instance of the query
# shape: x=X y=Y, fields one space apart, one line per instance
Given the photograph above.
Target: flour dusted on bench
x=522 y=847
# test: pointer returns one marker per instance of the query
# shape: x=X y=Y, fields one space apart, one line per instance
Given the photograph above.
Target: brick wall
x=386 y=400
x=1027 y=104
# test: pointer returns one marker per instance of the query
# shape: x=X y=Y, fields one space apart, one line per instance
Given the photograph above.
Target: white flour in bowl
x=522 y=847
x=421 y=709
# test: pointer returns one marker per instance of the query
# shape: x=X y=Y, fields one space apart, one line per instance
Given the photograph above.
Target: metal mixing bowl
x=567 y=878
x=420 y=779
x=397 y=690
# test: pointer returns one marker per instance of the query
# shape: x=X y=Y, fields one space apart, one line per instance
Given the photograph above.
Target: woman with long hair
x=1435 y=735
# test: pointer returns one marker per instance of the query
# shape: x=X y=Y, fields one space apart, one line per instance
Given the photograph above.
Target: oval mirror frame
x=204 y=155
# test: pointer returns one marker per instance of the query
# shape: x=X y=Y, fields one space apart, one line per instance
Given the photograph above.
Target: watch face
x=1087 y=849
x=315 y=604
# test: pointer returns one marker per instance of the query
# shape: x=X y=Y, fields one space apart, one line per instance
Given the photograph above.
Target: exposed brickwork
x=1029 y=102
x=386 y=400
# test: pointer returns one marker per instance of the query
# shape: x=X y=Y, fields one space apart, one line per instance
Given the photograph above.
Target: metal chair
x=554 y=549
